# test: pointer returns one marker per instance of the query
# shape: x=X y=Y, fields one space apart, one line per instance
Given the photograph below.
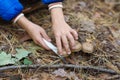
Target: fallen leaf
x=60 y=72
x=21 y=53
x=72 y=76
x=46 y=76
x=27 y=61
x=5 y=59
x=8 y=59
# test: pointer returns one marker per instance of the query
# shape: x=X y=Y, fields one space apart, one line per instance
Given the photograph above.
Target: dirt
x=97 y=21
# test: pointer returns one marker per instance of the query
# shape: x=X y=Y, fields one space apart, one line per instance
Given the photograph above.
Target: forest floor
x=97 y=21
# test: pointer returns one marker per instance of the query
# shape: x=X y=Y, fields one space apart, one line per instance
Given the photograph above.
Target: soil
x=97 y=21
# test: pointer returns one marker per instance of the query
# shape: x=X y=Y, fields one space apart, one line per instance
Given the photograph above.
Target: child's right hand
x=35 y=32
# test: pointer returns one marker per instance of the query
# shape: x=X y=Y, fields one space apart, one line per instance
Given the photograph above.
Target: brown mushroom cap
x=87 y=47
x=78 y=47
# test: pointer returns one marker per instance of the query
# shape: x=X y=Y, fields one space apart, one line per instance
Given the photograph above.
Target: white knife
x=51 y=46
x=54 y=49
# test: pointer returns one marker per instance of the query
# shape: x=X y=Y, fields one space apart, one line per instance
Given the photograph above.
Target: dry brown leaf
x=72 y=76
x=46 y=76
x=60 y=72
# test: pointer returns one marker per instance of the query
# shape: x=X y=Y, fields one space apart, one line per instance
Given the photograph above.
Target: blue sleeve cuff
x=50 y=1
x=9 y=9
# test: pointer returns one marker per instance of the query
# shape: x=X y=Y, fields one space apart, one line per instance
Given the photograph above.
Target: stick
x=60 y=66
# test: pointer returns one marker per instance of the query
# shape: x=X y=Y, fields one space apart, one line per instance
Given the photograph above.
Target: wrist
x=56 y=13
x=58 y=22
x=23 y=22
x=55 y=5
x=17 y=18
x=57 y=16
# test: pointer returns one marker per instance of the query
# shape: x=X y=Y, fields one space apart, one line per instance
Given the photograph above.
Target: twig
x=60 y=66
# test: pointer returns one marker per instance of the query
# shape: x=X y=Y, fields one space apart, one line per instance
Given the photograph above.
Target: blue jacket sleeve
x=50 y=1
x=9 y=9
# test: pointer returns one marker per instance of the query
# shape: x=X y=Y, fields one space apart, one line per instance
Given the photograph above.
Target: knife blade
x=54 y=49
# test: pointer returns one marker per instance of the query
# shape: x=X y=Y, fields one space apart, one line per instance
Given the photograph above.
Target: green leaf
x=21 y=53
x=6 y=59
x=27 y=61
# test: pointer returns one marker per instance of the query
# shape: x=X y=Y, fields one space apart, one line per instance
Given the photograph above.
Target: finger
x=59 y=45
x=71 y=39
x=75 y=34
x=44 y=35
x=66 y=44
x=42 y=43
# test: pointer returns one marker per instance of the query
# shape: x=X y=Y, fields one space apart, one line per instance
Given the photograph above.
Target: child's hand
x=35 y=32
x=65 y=36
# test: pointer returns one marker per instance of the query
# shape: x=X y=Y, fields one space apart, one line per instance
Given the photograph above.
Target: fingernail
x=69 y=52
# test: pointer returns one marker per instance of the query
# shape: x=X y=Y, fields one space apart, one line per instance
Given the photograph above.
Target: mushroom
x=77 y=48
x=87 y=47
